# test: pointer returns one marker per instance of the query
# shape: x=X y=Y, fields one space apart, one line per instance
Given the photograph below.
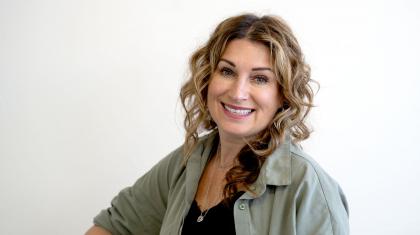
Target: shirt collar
x=276 y=170
x=277 y=167
x=195 y=165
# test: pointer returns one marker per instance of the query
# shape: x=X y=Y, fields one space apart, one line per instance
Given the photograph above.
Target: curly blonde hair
x=292 y=74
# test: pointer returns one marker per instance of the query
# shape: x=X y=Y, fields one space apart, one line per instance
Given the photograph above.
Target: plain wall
x=89 y=102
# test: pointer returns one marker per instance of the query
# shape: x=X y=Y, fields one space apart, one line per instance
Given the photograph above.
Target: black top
x=218 y=220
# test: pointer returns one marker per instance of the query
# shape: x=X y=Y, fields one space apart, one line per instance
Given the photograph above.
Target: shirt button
x=252 y=187
x=242 y=206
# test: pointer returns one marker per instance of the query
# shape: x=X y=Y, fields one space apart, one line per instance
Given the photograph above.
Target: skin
x=95 y=230
x=244 y=80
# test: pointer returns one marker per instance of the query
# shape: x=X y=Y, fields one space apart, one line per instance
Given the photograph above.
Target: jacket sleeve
x=140 y=209
x=321 y=207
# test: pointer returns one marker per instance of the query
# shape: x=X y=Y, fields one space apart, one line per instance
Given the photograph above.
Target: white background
x=89 y=102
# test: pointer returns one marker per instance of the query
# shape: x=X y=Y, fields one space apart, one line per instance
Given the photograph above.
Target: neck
x=229 y=149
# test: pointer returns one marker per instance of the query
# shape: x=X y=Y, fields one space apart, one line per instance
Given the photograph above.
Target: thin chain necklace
x=203 y=214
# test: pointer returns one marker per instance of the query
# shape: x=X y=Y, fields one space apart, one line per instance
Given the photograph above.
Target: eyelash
x=259 y=79
x=226 y=72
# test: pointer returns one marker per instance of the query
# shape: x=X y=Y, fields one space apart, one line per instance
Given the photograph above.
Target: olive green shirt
x=292 y=195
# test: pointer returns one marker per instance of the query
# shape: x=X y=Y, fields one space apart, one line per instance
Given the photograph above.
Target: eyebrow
x=253 y=69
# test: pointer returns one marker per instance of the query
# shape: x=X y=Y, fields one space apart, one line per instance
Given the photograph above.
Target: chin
x=237 y=134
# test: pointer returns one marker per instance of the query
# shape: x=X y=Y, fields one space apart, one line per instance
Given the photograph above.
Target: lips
x=236 y=110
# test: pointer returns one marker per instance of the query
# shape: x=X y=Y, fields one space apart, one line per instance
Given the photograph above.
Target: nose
x=239 y=90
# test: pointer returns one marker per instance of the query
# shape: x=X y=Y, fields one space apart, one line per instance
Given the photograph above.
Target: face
x=243 y=94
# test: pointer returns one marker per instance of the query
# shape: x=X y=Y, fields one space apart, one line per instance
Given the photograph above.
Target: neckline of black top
x=218 y=219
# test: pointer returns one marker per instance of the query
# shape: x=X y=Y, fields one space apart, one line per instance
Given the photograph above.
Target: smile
x=237 y=110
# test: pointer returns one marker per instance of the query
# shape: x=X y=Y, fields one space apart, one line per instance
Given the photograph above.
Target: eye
x=259 y=79
x=226 y=72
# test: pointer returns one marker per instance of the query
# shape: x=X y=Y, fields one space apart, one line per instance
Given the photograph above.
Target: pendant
x=200 y=218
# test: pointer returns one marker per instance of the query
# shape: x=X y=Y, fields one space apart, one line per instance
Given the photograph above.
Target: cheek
x=215 y=89
x=271 y=101
x=212 y=95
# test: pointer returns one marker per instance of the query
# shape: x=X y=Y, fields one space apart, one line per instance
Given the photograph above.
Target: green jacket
x=292 y=195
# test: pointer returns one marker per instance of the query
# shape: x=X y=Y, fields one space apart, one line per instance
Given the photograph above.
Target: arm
x=140 y=209
x=95 y=230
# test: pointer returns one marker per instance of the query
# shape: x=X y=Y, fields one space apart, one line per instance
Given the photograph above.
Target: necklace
x=203 y=214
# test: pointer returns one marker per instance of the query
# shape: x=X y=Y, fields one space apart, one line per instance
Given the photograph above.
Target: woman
x=239 y=170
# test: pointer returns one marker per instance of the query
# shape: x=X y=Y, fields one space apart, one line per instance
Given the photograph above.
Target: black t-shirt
x=218 y=220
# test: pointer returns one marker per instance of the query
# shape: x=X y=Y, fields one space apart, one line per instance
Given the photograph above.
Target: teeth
x=238 y=111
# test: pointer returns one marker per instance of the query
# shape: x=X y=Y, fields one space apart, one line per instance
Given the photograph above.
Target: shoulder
x=178 y=156
x=305 y=168
x=315 y=188
x=174 y=164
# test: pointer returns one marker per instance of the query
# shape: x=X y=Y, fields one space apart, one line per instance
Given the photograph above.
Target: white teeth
x=238 y=111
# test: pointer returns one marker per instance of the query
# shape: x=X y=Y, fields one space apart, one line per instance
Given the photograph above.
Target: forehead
x=248 y=53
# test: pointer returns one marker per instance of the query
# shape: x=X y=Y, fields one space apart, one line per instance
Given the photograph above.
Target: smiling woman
x=243 y=94
x=239 y=170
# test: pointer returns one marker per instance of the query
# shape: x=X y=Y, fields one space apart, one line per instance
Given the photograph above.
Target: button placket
x=242 y=217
